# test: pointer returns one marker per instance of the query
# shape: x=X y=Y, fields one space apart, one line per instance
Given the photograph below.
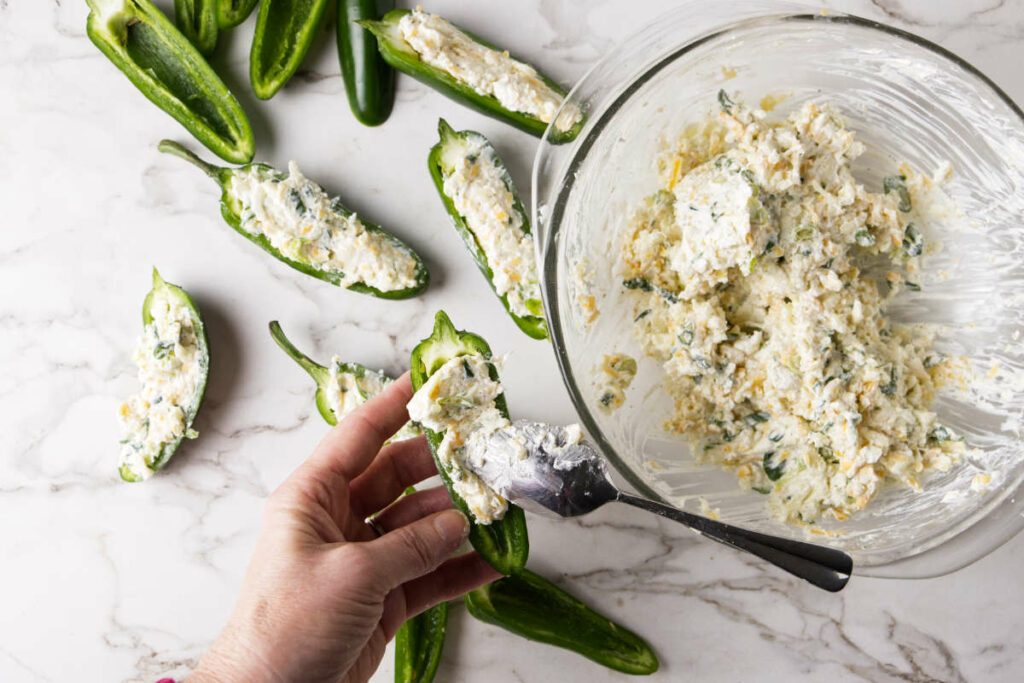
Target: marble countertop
x=102 y=581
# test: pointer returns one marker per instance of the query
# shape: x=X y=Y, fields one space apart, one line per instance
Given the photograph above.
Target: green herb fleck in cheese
x=746 y=274
x=517 y=86
x=458 y=401
x=170 y=366
x=304 y=224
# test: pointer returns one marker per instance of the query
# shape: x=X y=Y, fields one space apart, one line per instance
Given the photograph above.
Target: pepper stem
x=173 y=148
x=318 y=372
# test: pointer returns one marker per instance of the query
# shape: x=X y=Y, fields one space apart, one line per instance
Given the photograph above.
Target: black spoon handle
x=824 y=567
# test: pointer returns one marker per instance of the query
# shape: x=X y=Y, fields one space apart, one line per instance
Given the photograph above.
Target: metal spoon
x=536 y=465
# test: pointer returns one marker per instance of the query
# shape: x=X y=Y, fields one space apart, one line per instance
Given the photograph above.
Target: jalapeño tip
x=374 y=27
x=441 y=319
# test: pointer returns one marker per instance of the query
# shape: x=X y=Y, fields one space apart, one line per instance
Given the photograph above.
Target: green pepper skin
x=197 y=20
x=231 y=212
x=285 y=30
x=418 y=645
x=176 y=293
x=400 y=55
x=503 y=543
x=369 y=81
x=419 y=641
x=171 y=73
x=532 y=325
x=231 y=13
x=532 y=607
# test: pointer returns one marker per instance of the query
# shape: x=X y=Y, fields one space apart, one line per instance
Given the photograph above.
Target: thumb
x=419 y=548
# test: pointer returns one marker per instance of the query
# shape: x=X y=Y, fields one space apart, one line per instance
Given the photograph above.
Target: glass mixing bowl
x=908 y=100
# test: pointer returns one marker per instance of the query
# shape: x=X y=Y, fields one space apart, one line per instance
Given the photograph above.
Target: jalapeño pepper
x=197 y=19
x=400 y=54
x=420 y=641
x=285 y=30
x=233 y=209
x=164 y=295
x=473 y=149
x=369 y=81
x=522 y=602
x=171 y=72
x=233 y=12
x=532 y=607
x=320 y=374
x=345 y=377
x=418 y=645
x=503 y=543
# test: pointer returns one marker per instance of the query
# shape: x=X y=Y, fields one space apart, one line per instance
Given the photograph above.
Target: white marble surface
x=102 y=581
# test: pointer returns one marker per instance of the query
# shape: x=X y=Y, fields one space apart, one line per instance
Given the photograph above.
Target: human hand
x=323 y=594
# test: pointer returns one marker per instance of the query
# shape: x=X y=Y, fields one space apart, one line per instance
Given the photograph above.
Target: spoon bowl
x=550 y=468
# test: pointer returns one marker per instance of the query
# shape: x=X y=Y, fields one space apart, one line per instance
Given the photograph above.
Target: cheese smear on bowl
x=617 y=373
x=301 y=221
x=747 y=271
x=170 y=370
x=458 y=402
x=516 y=86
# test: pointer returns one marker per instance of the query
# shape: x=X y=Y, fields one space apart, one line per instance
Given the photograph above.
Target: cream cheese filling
x=169 y=370
x=346 y=391
x=301 y=221
x=517 y=86
x=476 y=186
x=458 y=400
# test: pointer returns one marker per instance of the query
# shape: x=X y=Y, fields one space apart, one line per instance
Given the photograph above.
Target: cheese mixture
x=748 y=275
x=479 y=192
x=517 y=86
x=305 y=225
x=171 y=369
x=458 y=402
x=617 y=373
x=348 y=390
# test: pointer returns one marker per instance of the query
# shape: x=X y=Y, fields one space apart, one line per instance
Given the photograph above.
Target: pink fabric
x=166 y=680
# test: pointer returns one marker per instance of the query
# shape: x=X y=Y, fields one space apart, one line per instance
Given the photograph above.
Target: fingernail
x=452 y=524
